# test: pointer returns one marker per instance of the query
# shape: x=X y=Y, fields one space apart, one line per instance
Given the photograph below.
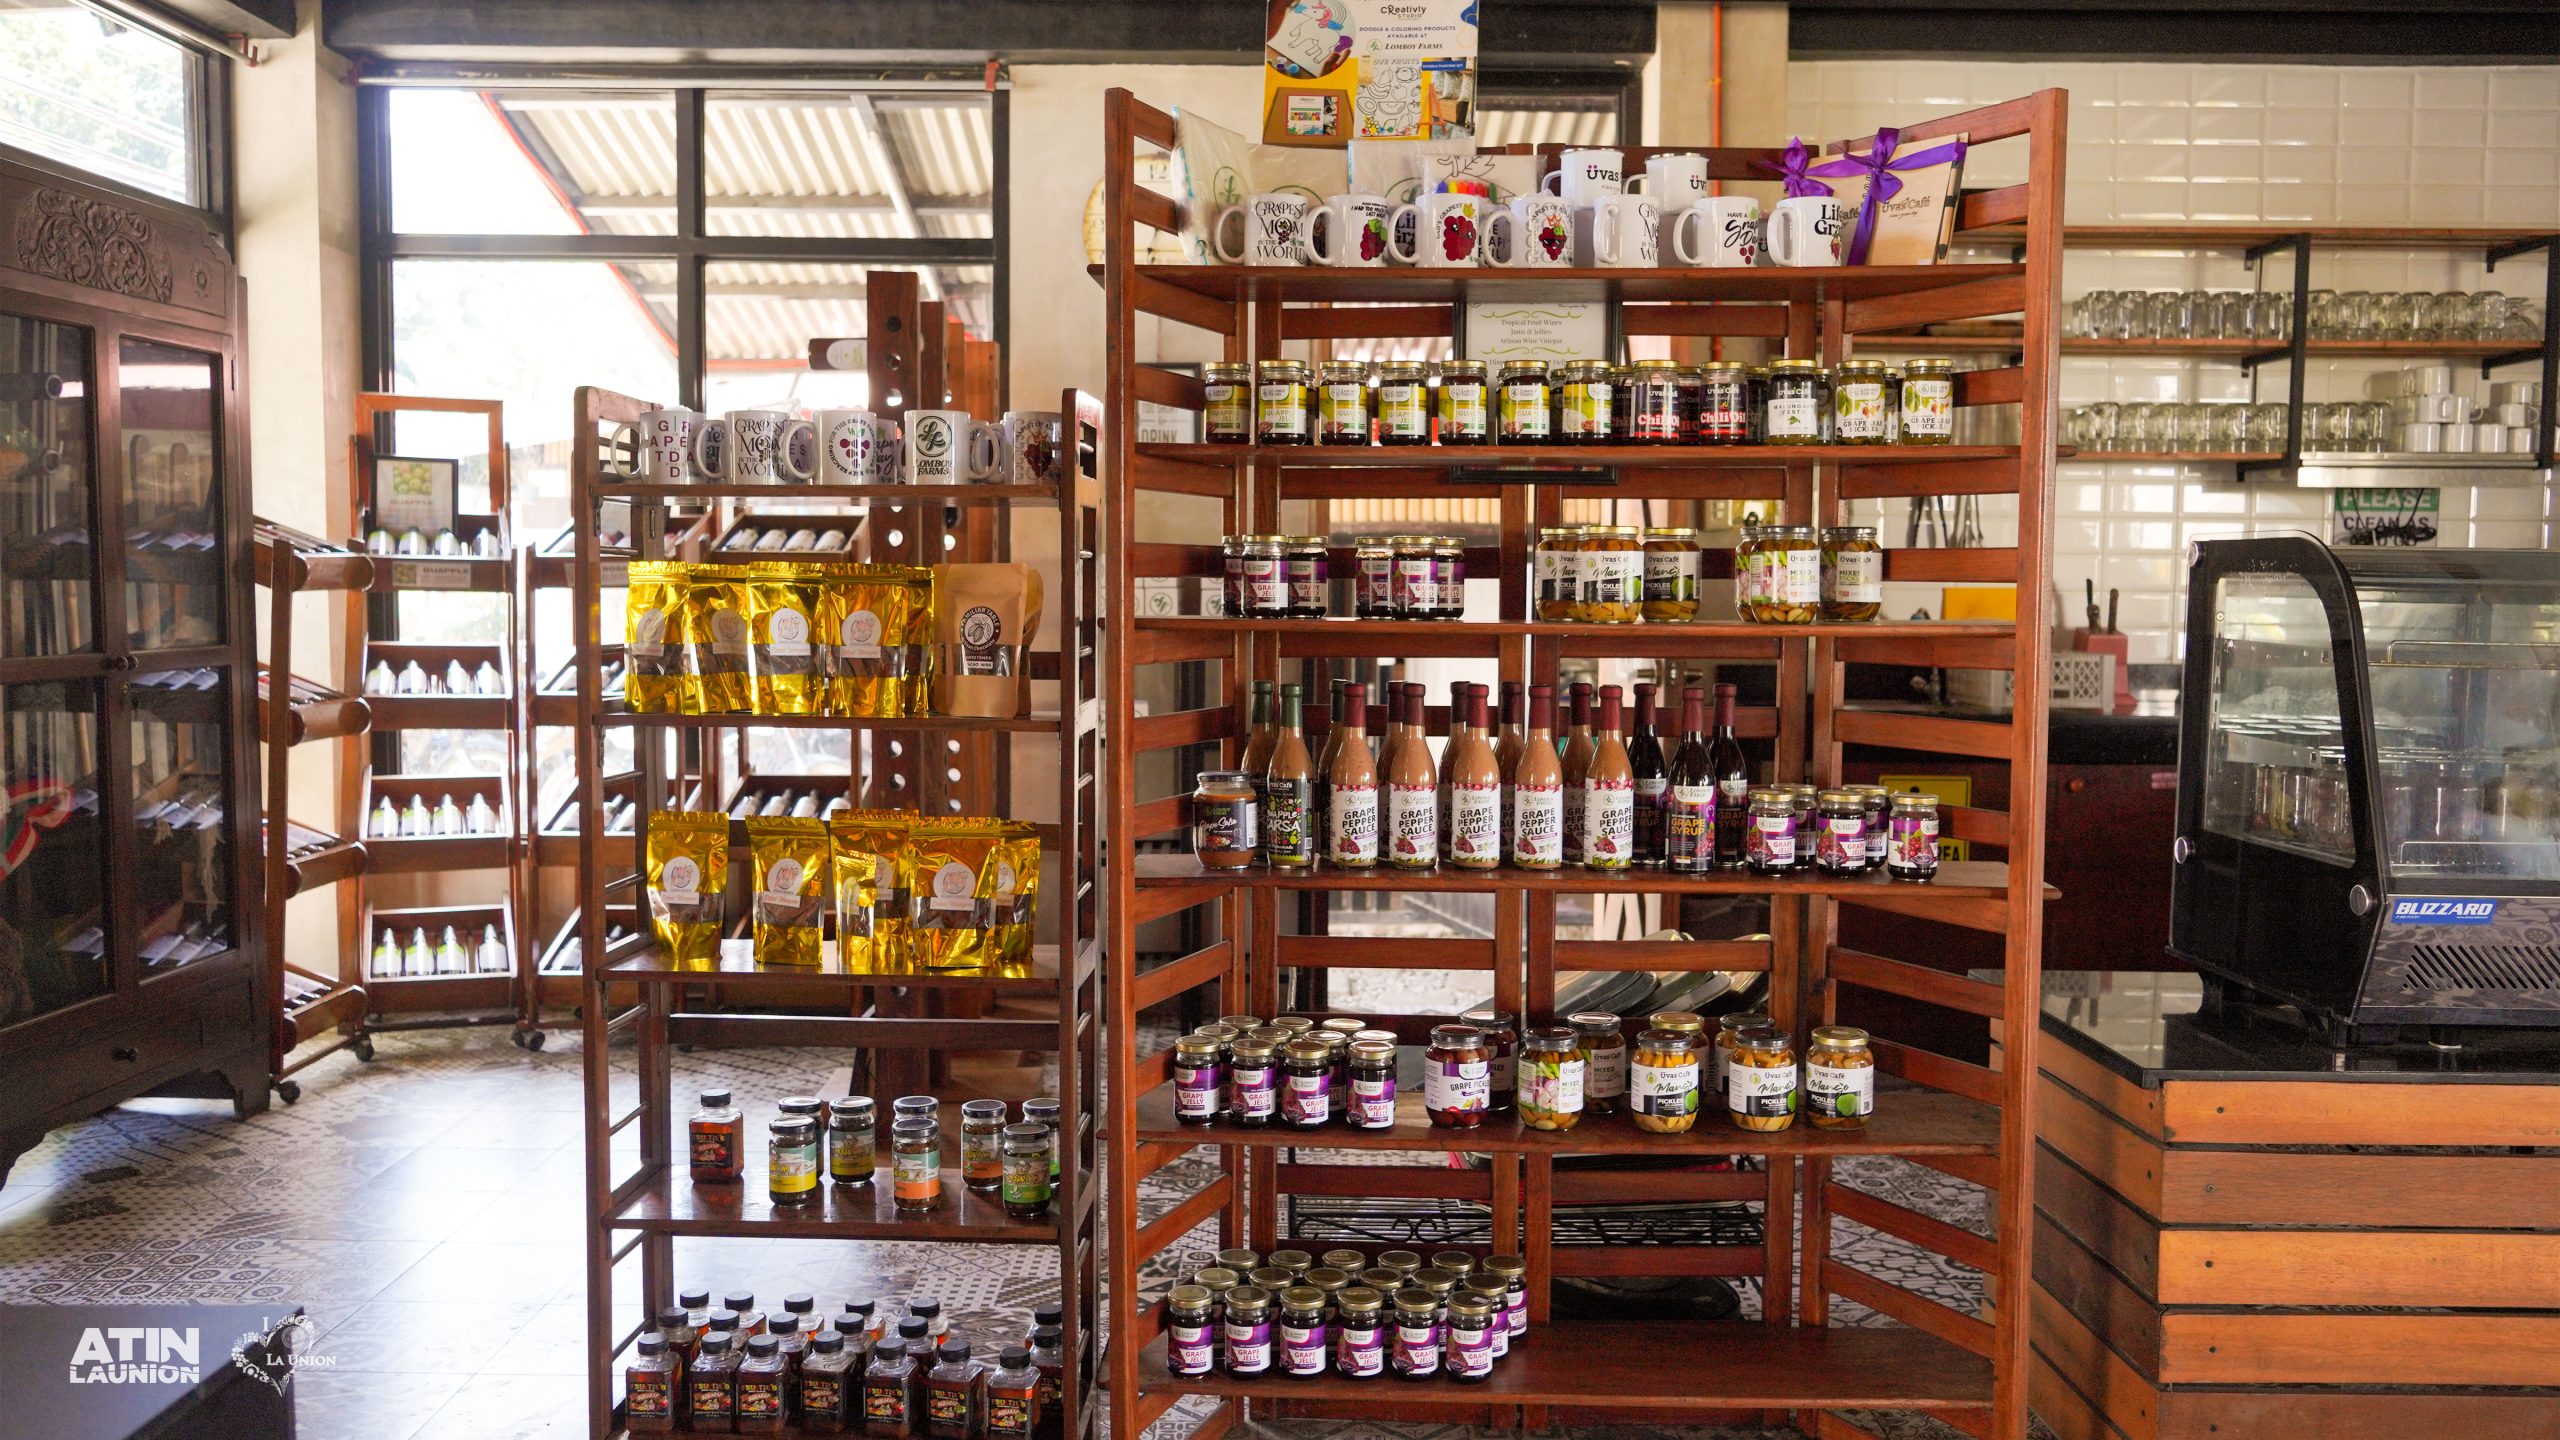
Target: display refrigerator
x=2369 y=785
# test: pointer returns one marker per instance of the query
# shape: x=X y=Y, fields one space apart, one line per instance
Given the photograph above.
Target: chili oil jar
x=1806 y=801
x=1471 y=1339
x=791 y=1160
x=1404 y=403
x=1199 y=1079
x=1612 y=575
x=1555 y=567
x=1501 y=1032
x=1417 y=578
x=1462 y=408
x=1281 y=410
x=1523 y=403
x=1306 y=1096
x=1799 y=393
x=1359 y=1332
x=1760 y=1081
x=1306 y=575
x=1859 y=403
x=1457 y=1077
x=715 y=1137
x=1583 y=399
x=1262 y=578
x=1253 y=1082
x=1513 y=1272
x=1604 y=1060
x=1551 y=1078
x=1225 y=823
x=1840 y=841
x=1027 y=1184
x=1416 y=1353
x=853 y=1152
x=1911 y=838
x=1928 y=408
x=1190 y=1347
x=1671 y=563
x=1342 y=404
x=982 y=1145
x=1723 y=409
x=1839 y=1078
x=1662 y=1082
x=1247 y=1331
x=1227 y=405
x=1304 y=1339
x=1369 y=1099
x=1852 y=573
x=1769 y=841
x=1373 y=580
x=1791 y=563
x=915 y=1164
x=1653 y=403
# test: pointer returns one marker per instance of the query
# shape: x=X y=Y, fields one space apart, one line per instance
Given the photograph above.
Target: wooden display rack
x=1961 y=1119
x=310 y=1003
x=640 y=1199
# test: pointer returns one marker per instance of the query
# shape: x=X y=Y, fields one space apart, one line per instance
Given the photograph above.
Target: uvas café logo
x=138 y=1355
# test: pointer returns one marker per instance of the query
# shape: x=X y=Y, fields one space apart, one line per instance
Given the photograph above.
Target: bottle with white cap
x=483 y=817
x=488 y=681
x=386 y=957
x=449 y=957
x=448 y=816
x=420 y=958
x=413 y=679
x=379 y=680
x=386 y=820
x=492 y=959
x=457 y=681
x=416 y=822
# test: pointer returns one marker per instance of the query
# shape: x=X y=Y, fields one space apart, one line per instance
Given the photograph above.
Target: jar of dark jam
x=1227 y=406
x=1253 y=1082
x=1584 y=403
x=1470 y=1343
x=1840 y=842
x=1191 y=1334
x=1262 y=585
x=1523 y=404
x=1373 y=577
x=1462 y=407
x=1501 y=1031
x=1807 y=804
x=1281 y=411
x=1417 y=578
x=1231 y=557
x=1652 y=403
x=1723 y=414
x=1404 y=403
x=1199 y=1080
x=1306 y=1096
x=1307 y=575
x=1497 y=1298
x=1457 y=1077
x=1359 y=1333
x=1246 y=1331
x=1769 y=842
x=1911 y=840
x=1513 y=1272
x=1449 y=571
x=1305 y=1339
x=1799 y=396
x=1342 y=404
x=1415 y=1355
x=1879 y=803
x=1369 y=1099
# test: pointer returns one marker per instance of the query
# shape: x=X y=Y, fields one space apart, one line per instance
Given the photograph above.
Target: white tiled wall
x=2315 y=145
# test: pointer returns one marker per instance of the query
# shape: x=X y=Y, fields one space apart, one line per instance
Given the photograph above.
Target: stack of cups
x=2430 y=413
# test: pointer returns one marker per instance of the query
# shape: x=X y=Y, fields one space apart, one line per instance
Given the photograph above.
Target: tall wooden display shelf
x=311 y=1002
x=639 y=1195
x=1966 y=1121
x=469 y=908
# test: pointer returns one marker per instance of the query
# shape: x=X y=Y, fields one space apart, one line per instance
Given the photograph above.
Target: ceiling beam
x=883 y=159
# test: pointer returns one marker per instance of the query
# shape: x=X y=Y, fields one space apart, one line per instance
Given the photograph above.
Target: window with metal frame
x=99 y=96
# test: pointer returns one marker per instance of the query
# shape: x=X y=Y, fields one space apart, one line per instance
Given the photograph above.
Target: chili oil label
x=819 y=1394
x=1464 y=1086
x=1008 y=1414
x=945 y=1408
x=759 y=1396
x=715 y=1149
x=713 y=1399
x=1667 y=1090
x=1190 y=1349
x=651 y=1397
x=1475 y=823
x=1761 y=1091
x=883 y=1403
x=1355 y=825
x=1538 y=825
x=1832 y=1090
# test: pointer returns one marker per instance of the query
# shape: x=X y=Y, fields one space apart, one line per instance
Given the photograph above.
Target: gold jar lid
x=1507 y=1266
x=1652 y=368
x=1848 y=798
x=1219 y=1030
x=1255 y=1050
x=1916 y=804
x=1410 y=542
x=1217 y=1279
x=1840 y=1037
x=1306 y=542
x=1271 y=1035
x=1329 y=1279
x=1227 y=370
x=1686 y=1022
x=1581 y=372
x=1189 y=1297
x=1917 y=368
x=1284 y=369
x=1863 y=369
x=1681 y=533
x=1522 y=370
x=1677 y=1042
x=1801 y=534
x=1196 y=1045
x=1741 y=1020
x=1336 y=371
x=1562 y=532
x=1309 y=1052
x=1409 y=370
x=1612 y=532
x=1461 y=370
x=1403 y=1262
x=1373 y=1051
x=1848 y=532
x=1359 y=1300
x=1474 y=1307
x=1240 y=1023
x=1795 y=366
x=1302 y=1297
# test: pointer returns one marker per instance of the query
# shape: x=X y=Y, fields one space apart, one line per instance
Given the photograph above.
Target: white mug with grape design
x=849 y=442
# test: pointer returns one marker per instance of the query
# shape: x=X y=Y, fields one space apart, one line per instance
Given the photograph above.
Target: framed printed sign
x=410 y=491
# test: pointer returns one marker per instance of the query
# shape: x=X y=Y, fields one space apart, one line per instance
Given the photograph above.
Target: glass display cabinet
x=2369 y=783
x=128 y=923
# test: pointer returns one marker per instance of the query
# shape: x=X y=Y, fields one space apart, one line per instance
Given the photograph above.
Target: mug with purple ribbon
x=1878 y=163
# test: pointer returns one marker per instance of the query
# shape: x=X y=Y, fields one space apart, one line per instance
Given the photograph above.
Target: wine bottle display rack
x=1250 y=940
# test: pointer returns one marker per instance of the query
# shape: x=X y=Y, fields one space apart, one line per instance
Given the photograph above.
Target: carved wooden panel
x=61 y=231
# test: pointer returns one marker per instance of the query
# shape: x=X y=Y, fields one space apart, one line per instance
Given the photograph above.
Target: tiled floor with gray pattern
x=424 y=1209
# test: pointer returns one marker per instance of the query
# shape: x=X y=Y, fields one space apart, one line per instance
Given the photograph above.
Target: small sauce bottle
x=1026 y=1171
x=915 y=1155
x=952 y=1398
x=711 y=1388
x=760 y=1405
x=718 y=1140
x=827 y=1384
x=791 y=1336
x=982 y=1125
x=649 y=1389
x=1050 y=1361
x=683 y=1337
x=889 y=1390
x=1013 y=1397
x=1049 y=1313
x=750 y=1319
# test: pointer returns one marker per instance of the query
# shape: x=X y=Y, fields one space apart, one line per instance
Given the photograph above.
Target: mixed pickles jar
x=1616 y=574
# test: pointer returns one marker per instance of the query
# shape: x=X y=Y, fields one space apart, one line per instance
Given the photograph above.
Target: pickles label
x=1604 y=1074
x=1857 y=409
x=945 y=1408
x=759 y=1396
x=1856 y=577
x=1459 y=1085
x=1799 y=580
x=1830 y=1090
x=1667 y=1090
x=1928 y=407
x=1554 y=1088
x=819 y=1394
x=1760 y=1091
x=713 y=1400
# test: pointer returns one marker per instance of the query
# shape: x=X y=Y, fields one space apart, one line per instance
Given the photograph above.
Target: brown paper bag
x=985 y=618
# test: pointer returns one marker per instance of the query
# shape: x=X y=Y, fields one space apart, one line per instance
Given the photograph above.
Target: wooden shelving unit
x=639 y=1197
x=1241 y=950
x=313 y=1003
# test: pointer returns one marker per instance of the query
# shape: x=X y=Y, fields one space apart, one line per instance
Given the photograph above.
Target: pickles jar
x=1342 y=404
x=1461 y=407
x=1662 y=1082
x=1671 y=564
x=1839 y=1078
x=1280 y=408
x=1788 y=560
x=1583 y=413
x=1551 y=1078
x=1798 y=395
x=1852 y=573
x=1404 y=403
x=1227 y=403
x=1721 y=412
x=1911 y=838
x=1611 y=571
x=1859 y=402
x=1769 y=839
x=1373 y=577
x=1604 y=1060
x=1555 y=573
x=1928 y=402
x=1760 y=1081
x=1523 y=404
x=1306 y=574
x=1457 y=1077
x=1652 y=403
x=1750 y=581
x=1840 y=838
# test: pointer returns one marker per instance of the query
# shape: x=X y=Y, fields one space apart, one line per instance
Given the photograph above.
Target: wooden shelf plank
x=1390 y=633
x=1299 y=284
x=1958 y=880
x=1022 y=724
x=738 y=970
x=2243 y=237
x=668 y=1203
x=1518 y=457
x=1620 y=1366
x=985 y=494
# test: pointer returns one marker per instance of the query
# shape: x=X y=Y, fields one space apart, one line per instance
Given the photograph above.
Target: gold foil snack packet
x=782 y=635
x=985 y=618
x=873 y=618
x=719 y=678
x=1017 y=893
x=688 y=873
x=952 y=872
x=653 y=669
x=869 y=852
x=789 y=860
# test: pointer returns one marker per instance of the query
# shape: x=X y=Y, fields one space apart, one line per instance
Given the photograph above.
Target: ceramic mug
x=1270 y=229
x=1448 y=231
x=1582 y=176
x=1625 y=232
x=753 y=447
x=1806 y=231
x=1034 y=452
x=1534 y=233
x=1730 y=227
x=949 y=447
x=661 y=444
x=1349 y=231
x=849 y=445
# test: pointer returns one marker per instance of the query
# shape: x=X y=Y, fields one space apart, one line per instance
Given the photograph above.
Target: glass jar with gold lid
x=1652 y=403
x=1749 y=580
x=1583 y=403
x=1611 y=588
x=1790 y=563
x=1226 y=410
x=1671 y=564
x=1799 y=394
x=1280 y=411
x=1523 y=403
x=1852 y=573
x=1462 y=408
x=1721 y=414
x=1342 y=403
x=1555 y=571
x=1859 y=401
x=1662 y=1082
x=1404 y=403
x=1760 y=1081
x=1839 y=1078
x=1928 y=402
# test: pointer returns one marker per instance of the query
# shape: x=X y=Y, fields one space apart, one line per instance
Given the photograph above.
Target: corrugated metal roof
x=1545 y=126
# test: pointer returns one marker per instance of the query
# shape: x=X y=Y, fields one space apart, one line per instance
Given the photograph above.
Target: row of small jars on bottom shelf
x=837 y=1141
x=1346 y=1315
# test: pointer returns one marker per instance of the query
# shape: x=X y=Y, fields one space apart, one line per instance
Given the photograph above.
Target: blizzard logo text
x=2443 y=912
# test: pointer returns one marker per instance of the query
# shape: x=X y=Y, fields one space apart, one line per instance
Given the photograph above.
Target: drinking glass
x=2487 y=313
x=2358 y=315
x=2230 y=425
x=2328 y=317
x=2267 y=421
x=2271 y=316
x=2337 y=426
x=2375 y=425
x=2390 y=315
x=2095 y=315
x=2230 y=315
x=2160 y=312
x=2104 y=418
x=2182 y=428
x=2199 y=316
x=2137 y=428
